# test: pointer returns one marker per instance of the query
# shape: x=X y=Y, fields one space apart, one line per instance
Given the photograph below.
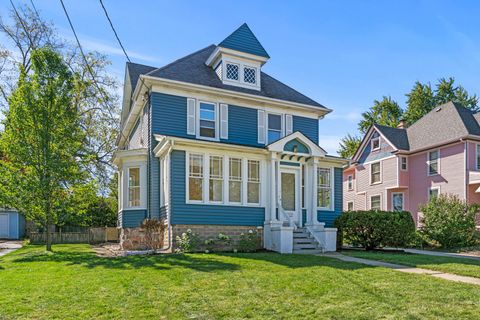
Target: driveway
x=7 y=246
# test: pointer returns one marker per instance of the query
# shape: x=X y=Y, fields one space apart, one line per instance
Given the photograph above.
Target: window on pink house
x=403 y=163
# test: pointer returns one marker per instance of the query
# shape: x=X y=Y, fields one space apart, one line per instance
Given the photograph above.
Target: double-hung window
x=216 y=179
x=375 y=202
x=208 y=119
x=433 y=162
x=134 y=187
x=274 y=127
x=350 y=206
x=403 y=163
x=478 y=157
x=397 y=202
x=375 y=173
x=195 y=177
x=350 y=183
x=433 y=192
x=253 y=183
x=324 y=188
x=375 y=143
x=235 y=180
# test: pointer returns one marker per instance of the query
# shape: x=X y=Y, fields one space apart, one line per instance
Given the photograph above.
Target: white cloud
x=329 y=143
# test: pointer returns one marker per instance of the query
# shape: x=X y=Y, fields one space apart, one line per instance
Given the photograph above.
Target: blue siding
x=183 y=213
x=244 y=40
x=133 y=218
x=13 y=226
x=242 y=126
x=307 y=126
x=169 y=115
x=295 y=143
x=329 y=216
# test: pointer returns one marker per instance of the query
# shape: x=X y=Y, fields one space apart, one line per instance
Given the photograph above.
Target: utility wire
x=105 y=97
x=114 y=31
x=32 y=45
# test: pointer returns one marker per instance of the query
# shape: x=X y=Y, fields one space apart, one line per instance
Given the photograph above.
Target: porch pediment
x=297 y=144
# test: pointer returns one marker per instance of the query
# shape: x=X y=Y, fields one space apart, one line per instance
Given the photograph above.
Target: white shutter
x=191 y=112
x=288 y=124
x=223 y=121
x=261 y=126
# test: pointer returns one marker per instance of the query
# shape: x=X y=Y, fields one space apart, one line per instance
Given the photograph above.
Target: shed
x=12 y=224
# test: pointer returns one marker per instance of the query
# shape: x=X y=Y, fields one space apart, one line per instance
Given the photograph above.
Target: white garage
x=12 y=224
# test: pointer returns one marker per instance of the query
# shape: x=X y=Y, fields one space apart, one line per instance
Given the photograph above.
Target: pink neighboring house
x=401 y=168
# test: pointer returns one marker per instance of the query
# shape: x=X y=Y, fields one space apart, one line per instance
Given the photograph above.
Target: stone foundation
x=138 y=239
x=207 y=232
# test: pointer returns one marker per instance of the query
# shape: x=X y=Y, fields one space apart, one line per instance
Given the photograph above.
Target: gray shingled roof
x=192 y=69
x=446 y=122
x=135 y=70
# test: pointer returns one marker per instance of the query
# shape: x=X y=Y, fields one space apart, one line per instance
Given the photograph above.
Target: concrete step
x=302 y=246
x=303 y=240
x=307 y=251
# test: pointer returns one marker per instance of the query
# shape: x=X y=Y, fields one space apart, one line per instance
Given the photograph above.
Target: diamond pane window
x=249 y=75
x=232 y=71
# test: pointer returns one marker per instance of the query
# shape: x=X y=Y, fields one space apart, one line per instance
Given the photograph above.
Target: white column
x=314 y=191
x=273 y=187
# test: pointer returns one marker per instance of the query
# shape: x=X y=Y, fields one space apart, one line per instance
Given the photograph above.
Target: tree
x=447 y=91
x=420 y=101
x=348 y=146
x=42 y=138
x=384 y=112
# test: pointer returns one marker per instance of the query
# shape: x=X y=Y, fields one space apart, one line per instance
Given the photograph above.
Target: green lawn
x=460 y=266
x=74 y=283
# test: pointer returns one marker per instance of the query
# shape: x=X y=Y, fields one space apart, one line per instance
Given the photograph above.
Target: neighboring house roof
x=445 y=123
x=244 y=40
x=192 y=69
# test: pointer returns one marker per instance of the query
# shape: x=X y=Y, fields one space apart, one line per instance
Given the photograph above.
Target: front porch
x=302 y=183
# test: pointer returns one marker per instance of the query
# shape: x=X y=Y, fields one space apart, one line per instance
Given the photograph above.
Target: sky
x=343 y=54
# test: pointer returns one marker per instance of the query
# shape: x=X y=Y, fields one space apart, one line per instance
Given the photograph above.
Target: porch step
x=310 y=251
x=304 y=243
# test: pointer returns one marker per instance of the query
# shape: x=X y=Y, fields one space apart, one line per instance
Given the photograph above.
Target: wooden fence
x=91 y=235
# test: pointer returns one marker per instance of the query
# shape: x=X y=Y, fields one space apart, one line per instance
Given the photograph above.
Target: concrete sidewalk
x=402 y=268
x=9 y=246
x=443 y=254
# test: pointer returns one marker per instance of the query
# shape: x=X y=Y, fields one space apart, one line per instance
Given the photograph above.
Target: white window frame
x=401 y=163
x=350 y=182
x=433 y=188
x=477 y=154
x=429 y=162
x=238 y=71
x=125 y=176
x=139 y=187
x=379 y=182
x=222 y=159
x=217 y=121
x=348 y=205
x=332 y=189
x=242 y=175
x=187 y=177
x=376 y=139
x=282 y=126
x=403 y=200
x=259 y=182
x=241 y=77
x=370 y=201
x=243 y=72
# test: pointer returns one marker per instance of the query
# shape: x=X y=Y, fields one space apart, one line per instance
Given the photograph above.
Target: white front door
x=4 y=225
x=289 y=193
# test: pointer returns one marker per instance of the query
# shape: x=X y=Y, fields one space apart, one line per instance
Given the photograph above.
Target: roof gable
x=244 y=40
x=287 y=144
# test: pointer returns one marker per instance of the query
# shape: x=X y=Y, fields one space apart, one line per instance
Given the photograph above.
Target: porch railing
x=283 y=213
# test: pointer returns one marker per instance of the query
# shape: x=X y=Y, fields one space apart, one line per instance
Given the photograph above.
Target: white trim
x=223 y=120
x=191 y=116
x=288 y=124
x=428 y=163
x=142 y=165
x=403 y=200
x=348 y=183
x=371 y=143
x=297 y=213
x=370 y=173
x=197 y=126
x=278 y=146
x=370 y=201
x=242 y=64
x=365 y=140
x=267 y=126
x=353 y=205
x=376 y=160
x=221 y=50
x=332 y=189
x=433 y=188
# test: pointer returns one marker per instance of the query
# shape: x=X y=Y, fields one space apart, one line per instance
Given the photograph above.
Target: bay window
x=253 y=183
x=324 y=188
x=216 y=179
x=134 y=187
x=235 y=180
x=195 y=178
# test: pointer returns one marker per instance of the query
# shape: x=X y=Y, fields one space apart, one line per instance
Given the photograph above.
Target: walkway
x=9 y=246
x=443 y=254
x=402 y=268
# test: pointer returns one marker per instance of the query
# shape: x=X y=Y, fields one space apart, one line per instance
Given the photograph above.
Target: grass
x=74 y=283
x=460 y=266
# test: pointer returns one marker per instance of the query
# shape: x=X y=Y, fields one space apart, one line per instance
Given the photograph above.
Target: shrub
x=449 y=221
x=220 y=243
x=154 y=233
x=249 y=242
x=372 y=229
x=188 y=242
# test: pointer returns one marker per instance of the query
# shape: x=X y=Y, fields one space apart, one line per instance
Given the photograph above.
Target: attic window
x=249 y=75
x=232 y=71
x=375 y=143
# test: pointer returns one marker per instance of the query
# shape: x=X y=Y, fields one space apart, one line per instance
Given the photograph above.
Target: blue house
x=211 y=143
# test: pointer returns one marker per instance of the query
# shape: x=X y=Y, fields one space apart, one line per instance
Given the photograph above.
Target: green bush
x=188 y=242
x=249 y=242
x=372 y=229
x=449 y=221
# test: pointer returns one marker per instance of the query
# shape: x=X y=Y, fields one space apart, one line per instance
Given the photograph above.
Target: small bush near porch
x=373 y=229
x=73 y=283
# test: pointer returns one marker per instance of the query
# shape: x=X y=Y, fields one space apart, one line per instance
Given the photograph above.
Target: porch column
x=313 y=218
x=273 y=187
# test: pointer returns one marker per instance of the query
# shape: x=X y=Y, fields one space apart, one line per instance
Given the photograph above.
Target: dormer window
x=249 y=75
x=375 y=143
x=232 y=71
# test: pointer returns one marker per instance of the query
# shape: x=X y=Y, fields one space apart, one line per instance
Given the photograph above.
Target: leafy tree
x=447 y=91
x=384 y=112
x=42 y=138
x=348 y=146
x=420 y=101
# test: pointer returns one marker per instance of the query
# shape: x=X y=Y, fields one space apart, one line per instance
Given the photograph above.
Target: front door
x=289 y=181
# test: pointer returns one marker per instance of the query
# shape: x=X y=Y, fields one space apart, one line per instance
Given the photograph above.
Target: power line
x=32 y=45
x=114 y=31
